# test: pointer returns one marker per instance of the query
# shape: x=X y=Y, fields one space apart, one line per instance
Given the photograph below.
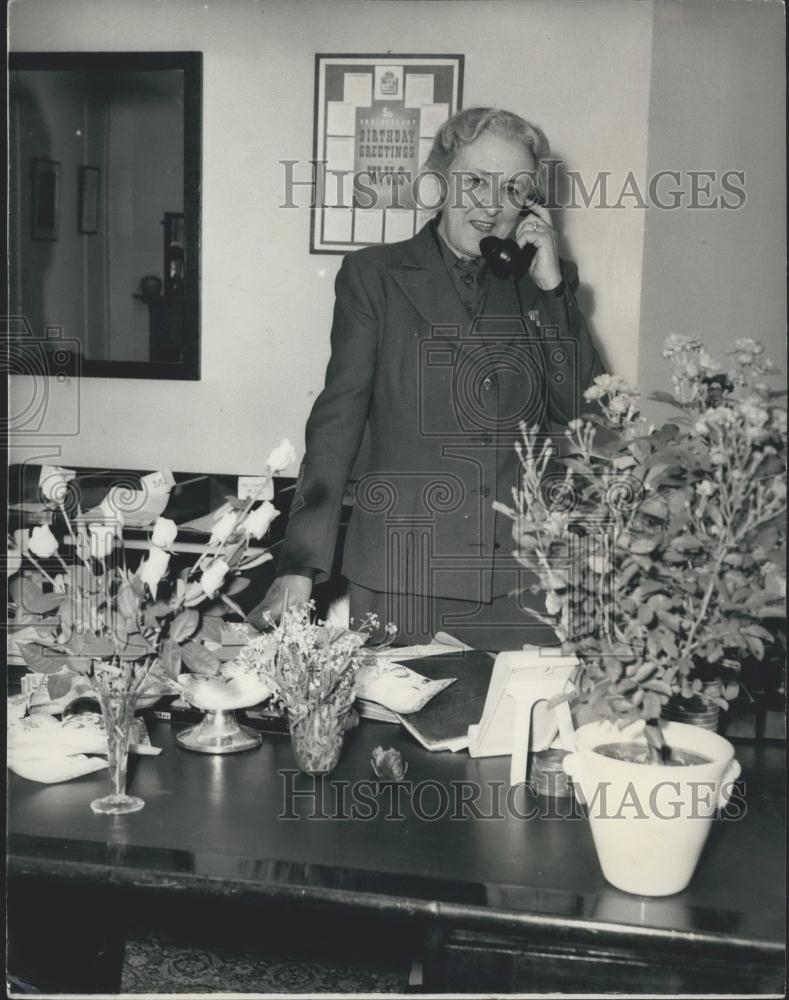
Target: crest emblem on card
x=388 y=83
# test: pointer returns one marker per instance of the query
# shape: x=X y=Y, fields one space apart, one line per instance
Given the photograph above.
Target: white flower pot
x=650 y=821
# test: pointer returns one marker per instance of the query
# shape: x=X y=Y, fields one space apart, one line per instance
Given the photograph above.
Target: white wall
x=581 y=69
x=718 y=103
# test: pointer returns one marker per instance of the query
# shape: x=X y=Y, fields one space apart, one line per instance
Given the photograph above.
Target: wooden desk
x=504 y=904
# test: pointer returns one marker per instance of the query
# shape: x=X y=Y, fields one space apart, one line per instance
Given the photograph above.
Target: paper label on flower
x=158 y=481
x=255 y=488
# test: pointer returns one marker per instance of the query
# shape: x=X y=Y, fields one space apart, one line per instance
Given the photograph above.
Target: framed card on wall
x=45 y=199
x=375 y=119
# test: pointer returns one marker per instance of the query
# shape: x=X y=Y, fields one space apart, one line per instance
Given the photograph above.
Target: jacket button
x=484 y=491
x=487 y=384
x=486 y=439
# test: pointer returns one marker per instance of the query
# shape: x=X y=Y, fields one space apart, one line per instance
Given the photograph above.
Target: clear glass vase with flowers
x=311 y=667
x=124 y=637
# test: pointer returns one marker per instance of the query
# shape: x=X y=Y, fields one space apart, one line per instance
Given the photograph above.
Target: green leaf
x=757 y=630
x=237 y=586
x=658 y=686
x=135 y=647
x=97 y=646
x=652 y=705
x=654 y=507
x=659 y=396
x=643 y=546
x=34 y=599
x=686 y=542
x=79 y=664
x=644 y=672
x=58 y=685
x=41 y=659
x=170 y=658
x=128 y=603
x=200 y=660
x=184 y=625
x=211 y=628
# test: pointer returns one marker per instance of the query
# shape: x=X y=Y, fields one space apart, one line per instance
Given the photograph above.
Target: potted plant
x=120 y=636
x=659 y=552
x=311 y=667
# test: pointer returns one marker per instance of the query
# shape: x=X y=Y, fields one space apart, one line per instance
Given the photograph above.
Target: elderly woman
x=440 y=356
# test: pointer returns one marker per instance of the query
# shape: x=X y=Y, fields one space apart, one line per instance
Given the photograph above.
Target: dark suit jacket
x=442 y=398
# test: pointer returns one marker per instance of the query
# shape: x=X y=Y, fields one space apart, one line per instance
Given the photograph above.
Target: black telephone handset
x=504 y=257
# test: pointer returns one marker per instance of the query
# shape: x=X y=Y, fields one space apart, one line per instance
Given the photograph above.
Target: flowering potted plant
x=659 y=551
x=311 y=667
x=104 y=631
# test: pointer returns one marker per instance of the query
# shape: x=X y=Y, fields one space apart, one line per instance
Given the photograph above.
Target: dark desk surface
x=210 y=826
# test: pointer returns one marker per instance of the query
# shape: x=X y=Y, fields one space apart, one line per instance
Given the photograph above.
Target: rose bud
x=214 y=576
x=281 y=457
x=223 y=527
x=164 y=532
x=258 y=521
x=154 y=568
x=42 y=542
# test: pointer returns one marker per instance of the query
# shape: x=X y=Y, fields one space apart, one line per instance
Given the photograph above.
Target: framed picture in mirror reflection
x=88 y=200
x=45 y=199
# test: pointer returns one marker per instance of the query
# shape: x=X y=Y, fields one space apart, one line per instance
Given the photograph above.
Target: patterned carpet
x=159 y=965
x=166 y=962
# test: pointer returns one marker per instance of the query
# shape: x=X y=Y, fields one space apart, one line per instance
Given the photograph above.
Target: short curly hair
x=466 y=126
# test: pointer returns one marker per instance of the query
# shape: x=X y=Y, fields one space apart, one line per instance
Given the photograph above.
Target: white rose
x=102 y=537
x=214 y=576
x=165 y=532
x=154 y=568
x=282 y=456
x=258 y=521
x=54 y=483
x=42 y=542
x=223 y=527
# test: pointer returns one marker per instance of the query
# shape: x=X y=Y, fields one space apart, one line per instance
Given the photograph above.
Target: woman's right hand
x=297 y=586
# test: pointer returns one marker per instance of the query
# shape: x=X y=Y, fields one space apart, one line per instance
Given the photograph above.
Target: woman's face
x=488 y=183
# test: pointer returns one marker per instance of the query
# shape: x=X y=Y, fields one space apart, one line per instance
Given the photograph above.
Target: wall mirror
x=105 y=151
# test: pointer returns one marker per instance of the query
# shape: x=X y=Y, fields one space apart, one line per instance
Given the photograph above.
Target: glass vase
x=117 y=709
x=317 y=739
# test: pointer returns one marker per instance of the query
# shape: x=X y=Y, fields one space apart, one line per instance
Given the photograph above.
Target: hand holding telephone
x=506 y=258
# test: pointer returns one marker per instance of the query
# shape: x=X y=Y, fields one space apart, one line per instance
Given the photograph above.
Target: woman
x=440 y=358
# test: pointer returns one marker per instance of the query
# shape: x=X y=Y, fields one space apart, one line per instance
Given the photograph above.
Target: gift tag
x=157 y=482
x=255 y=488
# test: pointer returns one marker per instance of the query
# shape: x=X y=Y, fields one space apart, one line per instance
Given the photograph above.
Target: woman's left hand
x=537 y=229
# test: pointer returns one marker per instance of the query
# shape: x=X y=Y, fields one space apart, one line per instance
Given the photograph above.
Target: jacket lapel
x=423 y=277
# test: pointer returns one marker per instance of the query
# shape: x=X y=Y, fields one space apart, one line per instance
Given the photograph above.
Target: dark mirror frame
x=192 y=65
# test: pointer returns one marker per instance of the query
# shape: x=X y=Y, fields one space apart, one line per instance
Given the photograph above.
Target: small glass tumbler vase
x=117 y=709
x=317 y=739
